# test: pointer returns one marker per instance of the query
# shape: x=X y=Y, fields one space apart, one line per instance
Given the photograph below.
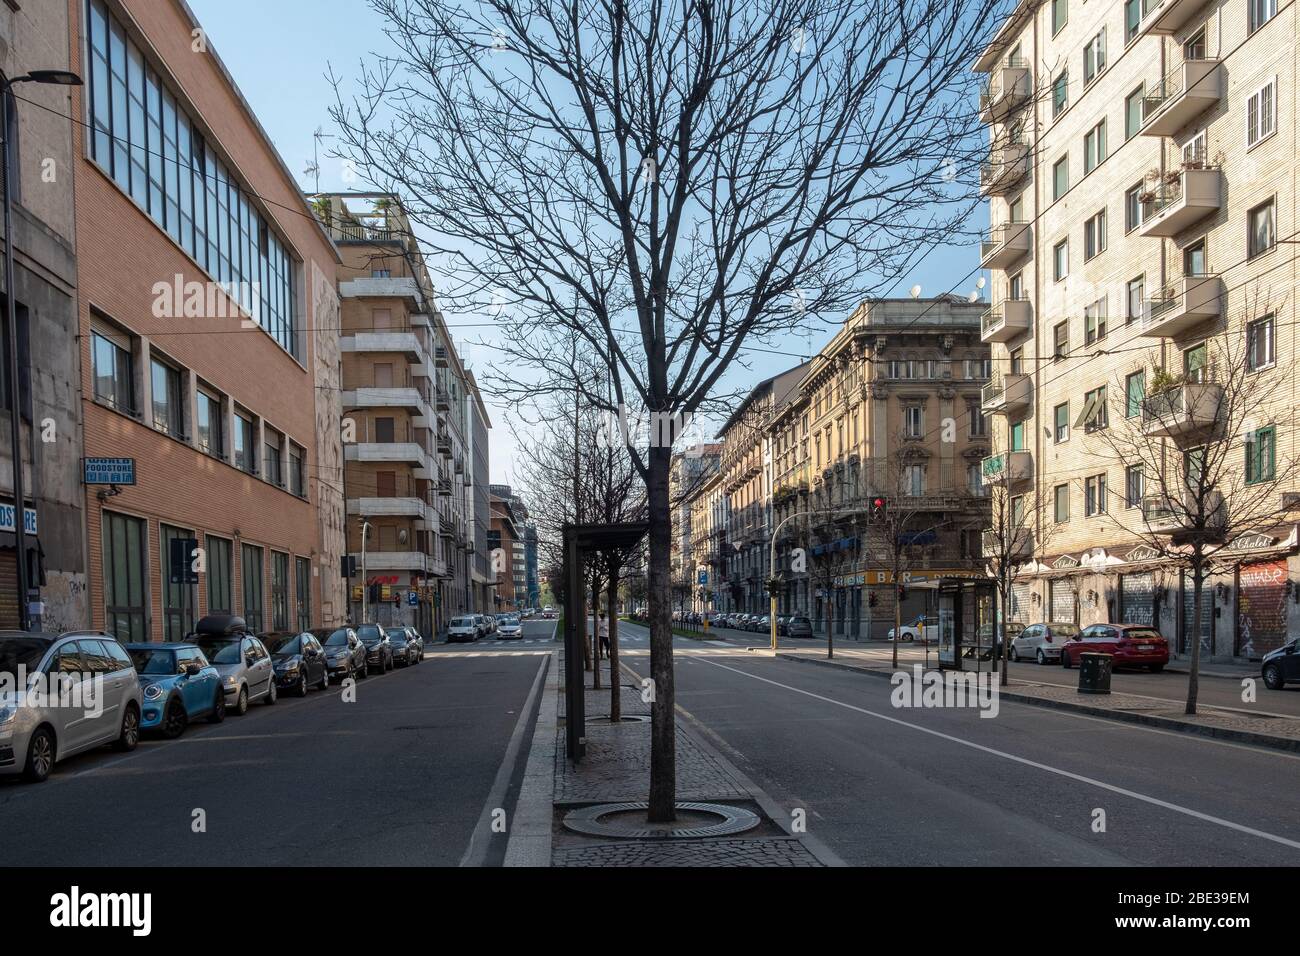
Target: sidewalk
x=616 y=769
x=1277 y=732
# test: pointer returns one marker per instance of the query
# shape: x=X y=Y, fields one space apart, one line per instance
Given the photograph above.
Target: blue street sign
x=412 y=599
x=704 y=576
x=7 y=519
x=109 y=471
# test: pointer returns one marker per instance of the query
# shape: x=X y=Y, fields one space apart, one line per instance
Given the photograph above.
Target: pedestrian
x=602 y=630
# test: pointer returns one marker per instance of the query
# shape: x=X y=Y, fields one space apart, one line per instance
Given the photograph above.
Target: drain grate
x=591 y=821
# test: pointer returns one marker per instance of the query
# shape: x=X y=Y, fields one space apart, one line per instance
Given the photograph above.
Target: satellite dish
x=979 y=283
x=973 y=297
x=916 y=292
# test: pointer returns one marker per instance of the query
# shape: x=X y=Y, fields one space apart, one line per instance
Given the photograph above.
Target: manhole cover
x=627 y=821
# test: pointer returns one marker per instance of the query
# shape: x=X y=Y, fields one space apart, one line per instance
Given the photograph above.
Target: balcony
x=440 y=359
x=1008 y=468
x=390 y=287
x=1005 y=321
x=443 y=400
x=403 y=343
x=1005 y=245
x=1019 y=544
x=1164 y=515
x=1008 y=88
x=397 y=561
x=391 y=397
x=1006 y=166
x=1167 y=16
x=1189 y=301
x=1185 y=93
x=388 y=507
x=1187 y=409
x=1006 y=395
x=405 y=451
x=443 y=444
x=1185 y=198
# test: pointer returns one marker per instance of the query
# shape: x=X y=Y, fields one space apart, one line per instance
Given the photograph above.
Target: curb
x=530 y=835
x=1165 y=723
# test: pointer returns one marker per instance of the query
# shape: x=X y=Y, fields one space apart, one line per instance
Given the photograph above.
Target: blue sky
x=279 y=52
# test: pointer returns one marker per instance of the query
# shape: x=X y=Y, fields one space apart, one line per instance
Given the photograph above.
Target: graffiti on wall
x=1261 y=608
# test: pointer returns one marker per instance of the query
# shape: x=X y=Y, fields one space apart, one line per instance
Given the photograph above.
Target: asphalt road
x=402 y=775
x=882 y=785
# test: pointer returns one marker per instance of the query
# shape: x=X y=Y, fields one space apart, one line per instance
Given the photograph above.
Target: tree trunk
x=898 y=615
x=1005 y=586
x=663 y=730
x=595 y=632
x=1193 y=675
x=830 y=625
x=615 y=684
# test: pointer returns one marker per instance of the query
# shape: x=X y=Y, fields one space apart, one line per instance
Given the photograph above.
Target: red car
x=1131 y=645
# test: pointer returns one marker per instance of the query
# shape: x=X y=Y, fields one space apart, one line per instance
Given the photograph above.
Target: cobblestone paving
x=764 y=851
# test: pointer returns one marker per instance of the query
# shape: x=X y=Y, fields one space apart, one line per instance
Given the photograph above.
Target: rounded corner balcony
x=1183 y=94
x=1007 y=164
x=1184 y=303
x=1165 y=514
x=1183 y=198
x=1005 y=395
x=1005 y=245
x=1008 y=468
x=1184 y=410
x=1167 y=16
x=1019 y=546
x=1008 y=88
x=1007 y=320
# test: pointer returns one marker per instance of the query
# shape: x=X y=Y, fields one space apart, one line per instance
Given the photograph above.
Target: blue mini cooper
x=178 y=685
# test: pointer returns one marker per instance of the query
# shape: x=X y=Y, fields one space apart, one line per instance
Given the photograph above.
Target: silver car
x=96 y=701
x=246 y=669
x=1042 y=642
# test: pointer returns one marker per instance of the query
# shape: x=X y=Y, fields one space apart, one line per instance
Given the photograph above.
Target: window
x=297 y=475
x=1018 y=436
x=1132 y=207
x=386 y=481
x=1134 y=486
x=252 y=574
x=914 y=480
x=220 y=576
x=1094 y=322
x=1061 y=423
x=245 y=444
x=1132 y=19
x=113 y=371
x=1193 y=468
x=1262 y=236
x=974 y=482
x=1195 y=361
x=1133 y=113
x=180 y=599
x=1017 y=361
x=1261 y=113
x=279 y=591
x=1094 y=147
x=1259 y=344
x=1060 y=177
x=1194 y=259
x=1261 y=11
x=1061 y=503
x=1093 y=415
x=1094 y=495
x=272 y=442
x=126 y=597
x=302 y=591
x=1134 y=295
x=144 y=140
x=913 y=424
x=978 y=423
x=208 y=423
x=1094 y=235
x=1094 y=57
x=168 y=399
x=1061 y=260
x=1060 y=93
x=1060 y=15
x=1061 y=340
x=979 y=368
x=1016 y=208
x=384 y=430
x=1261 y=448
x=1017 y=511
x=1016 y=286
x=1135 y=390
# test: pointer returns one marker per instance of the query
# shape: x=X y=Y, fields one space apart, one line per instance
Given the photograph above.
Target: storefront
x=1137 y=599
x=1063 y=600
x=1022 y=603
x=1187 y=619
x=1261 y=608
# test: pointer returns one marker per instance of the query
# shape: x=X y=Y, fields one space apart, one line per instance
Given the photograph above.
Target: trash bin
x=1094 y=673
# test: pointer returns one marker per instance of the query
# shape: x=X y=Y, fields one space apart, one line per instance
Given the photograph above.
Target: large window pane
x=125 y=598
x=252 y=574
x=220 y=591
x=180 y=600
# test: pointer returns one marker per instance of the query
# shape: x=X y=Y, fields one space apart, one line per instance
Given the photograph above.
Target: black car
x=345 y=655
x=418 y=639
x=379 y=649
x=299 y=661
x=1282 y=666
x=406 y=650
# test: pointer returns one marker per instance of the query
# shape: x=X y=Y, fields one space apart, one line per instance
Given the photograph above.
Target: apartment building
x=406 y=406
x=704 y=588
x=505 y=542
x=482 y=581
x=45 y=305
x=199 y=266
x=689 y=468
x=1142 y=183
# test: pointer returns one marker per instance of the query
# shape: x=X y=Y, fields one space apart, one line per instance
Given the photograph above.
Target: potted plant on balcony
x=1165 y=381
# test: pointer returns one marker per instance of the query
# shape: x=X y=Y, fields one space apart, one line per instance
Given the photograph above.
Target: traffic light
x=902 y=593
x=871 y=599
x=879 y=508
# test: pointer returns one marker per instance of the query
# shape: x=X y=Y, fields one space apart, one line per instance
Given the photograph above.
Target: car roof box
x=220 y=625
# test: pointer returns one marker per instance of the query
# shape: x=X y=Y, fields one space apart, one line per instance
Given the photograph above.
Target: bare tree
x=666 y=181
x=1207 y=466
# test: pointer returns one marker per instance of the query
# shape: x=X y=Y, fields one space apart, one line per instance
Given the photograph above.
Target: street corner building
x=1141 y=183
x=207 y=332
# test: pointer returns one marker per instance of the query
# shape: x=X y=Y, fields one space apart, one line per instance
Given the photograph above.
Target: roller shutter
x=1137 y=599
x=1063 y=600
x=1261 y=608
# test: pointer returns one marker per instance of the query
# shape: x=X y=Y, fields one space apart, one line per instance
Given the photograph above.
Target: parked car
x=509 y=628
x=177 y=685
x=1282 y=666
x=405 y=651
x=548 y=614
x=921 y=629
x=240 y=658
x=297 y=660
x=379 y=649
x=345 y=655
x=464 y=628
x=417 y=639
x=36 y=733
x=799 y=626
x=1131 y=645
x=1043 y=642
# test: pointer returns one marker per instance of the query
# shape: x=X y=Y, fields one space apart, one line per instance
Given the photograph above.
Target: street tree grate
x=589 y=821
x=635 y=718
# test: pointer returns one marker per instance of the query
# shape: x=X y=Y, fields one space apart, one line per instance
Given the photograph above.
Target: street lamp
x=57 y=78
x=365 y=586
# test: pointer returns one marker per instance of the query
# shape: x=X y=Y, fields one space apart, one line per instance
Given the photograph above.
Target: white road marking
x=1068 y=774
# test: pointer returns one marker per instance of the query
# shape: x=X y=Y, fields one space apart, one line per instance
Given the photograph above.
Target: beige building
x=1141 y=183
